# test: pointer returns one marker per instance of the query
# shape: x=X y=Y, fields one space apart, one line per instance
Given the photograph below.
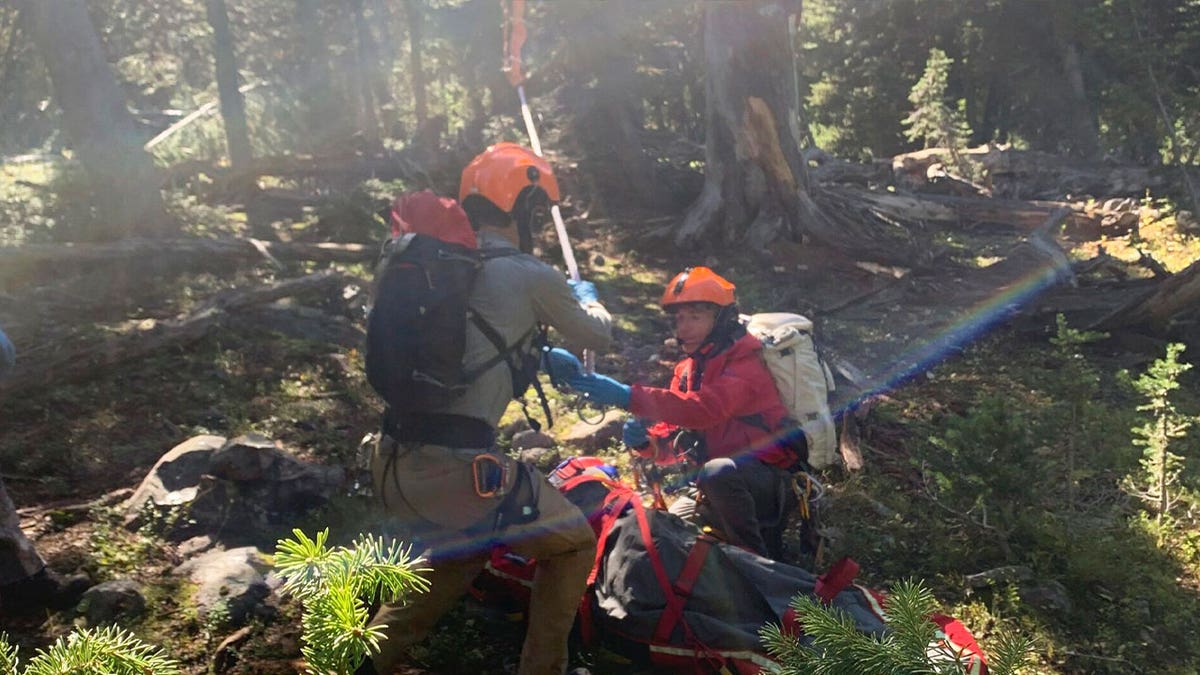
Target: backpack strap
x=508 y=354
x=681 y=590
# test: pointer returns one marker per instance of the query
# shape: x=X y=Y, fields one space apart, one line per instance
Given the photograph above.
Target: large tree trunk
x=756 y=184
x=1085 y=133
x=321 y=103
x=609 y=118
x=121 y=175
x=755 y=181
x=233 y=105
x=368 y=119
x=415 y=20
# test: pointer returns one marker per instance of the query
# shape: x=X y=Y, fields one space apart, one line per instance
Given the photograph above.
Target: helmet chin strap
x=522 y=214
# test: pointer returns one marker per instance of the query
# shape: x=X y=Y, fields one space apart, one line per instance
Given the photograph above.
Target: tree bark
x=368 y=120
x=1174 y=295
x=609 y=119
x=321 y=102
x=121 y=175
x=747 y=54
x=415 y=20
x=233 y=105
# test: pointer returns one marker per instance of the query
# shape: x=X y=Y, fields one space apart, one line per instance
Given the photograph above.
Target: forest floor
x=1131 y=604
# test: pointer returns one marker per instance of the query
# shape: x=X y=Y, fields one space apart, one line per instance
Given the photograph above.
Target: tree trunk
x=755 y=182
x=368 y=120
x=1175 y=295
x=415 y=19
x=609 y=119
x=322 y=104
x=121 y=175
x=233 y=105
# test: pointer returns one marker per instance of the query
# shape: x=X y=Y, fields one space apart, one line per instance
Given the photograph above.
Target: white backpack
x=802 y=378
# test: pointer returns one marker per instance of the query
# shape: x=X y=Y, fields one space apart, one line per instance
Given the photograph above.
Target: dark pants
x=743 y=495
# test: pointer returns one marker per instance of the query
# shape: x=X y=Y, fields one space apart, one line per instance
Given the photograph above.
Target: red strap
x=614 y=505
x=836 y=579
x=572 y=483
x=678 y=594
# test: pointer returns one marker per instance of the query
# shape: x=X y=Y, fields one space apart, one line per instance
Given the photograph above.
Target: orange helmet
x=698 y=284
x=502 y=171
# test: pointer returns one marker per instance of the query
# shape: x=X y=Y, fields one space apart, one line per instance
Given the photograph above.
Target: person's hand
x=561 y=365
x=633 y=434
x=8 y=354
x=601 y=389
x=585 y=291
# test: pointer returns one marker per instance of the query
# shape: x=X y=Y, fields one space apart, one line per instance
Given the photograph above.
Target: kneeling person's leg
x=731 y=500
x=565 y=547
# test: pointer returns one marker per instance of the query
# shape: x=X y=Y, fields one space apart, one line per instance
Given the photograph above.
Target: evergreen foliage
x=336 y=586
x=1163 y=425
x=833 y=646
x=933 y=120
x=103 y=651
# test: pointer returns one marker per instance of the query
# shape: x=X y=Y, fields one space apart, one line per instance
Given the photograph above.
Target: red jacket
x=734 y=383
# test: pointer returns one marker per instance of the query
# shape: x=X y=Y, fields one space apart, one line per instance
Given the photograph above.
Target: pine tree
x=834 y=646
x=335 y=585
x=933 y=120
x=1161 y=468
x=109 y=650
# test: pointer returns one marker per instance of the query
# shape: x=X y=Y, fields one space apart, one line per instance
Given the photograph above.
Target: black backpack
x=416 y=331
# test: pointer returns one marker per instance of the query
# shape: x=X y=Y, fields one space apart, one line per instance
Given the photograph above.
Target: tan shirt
x=513 y=293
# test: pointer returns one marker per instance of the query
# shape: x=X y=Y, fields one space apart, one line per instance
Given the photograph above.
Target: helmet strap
x=522 y=213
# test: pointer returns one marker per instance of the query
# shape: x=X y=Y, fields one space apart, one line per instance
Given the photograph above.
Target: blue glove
x=585 y=291
x=602 y=389
x=8 y=354
x=633 y=434
x=561 y=365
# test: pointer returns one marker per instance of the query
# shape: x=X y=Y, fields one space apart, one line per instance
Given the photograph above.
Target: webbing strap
x=836 y=579
x=614 y=505
x=681 y=590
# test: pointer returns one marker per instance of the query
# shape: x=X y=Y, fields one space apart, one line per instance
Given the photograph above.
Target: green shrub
x=336 y=585
x=103 y=651
x=909 y=646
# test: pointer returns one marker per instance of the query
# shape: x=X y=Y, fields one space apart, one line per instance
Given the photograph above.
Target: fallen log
x=1029 y=174
x=1022 y=215
x=79 y=362
x=24 y=262
x=1168 y=298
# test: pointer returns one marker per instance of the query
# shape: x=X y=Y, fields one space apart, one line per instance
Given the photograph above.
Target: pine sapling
x=833 y=645
x=336 y=587
x=933 y=121
x=1163 y=424
x=109 y=650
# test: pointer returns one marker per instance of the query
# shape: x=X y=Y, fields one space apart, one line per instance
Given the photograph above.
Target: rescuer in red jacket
x=722 y=393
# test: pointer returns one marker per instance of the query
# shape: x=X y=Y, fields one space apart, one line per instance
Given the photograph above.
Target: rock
x=514 y=427
x=588 y=437
x=1049 y=596
x=111 y=601
x=173 y=479
x=230 y=582
x=1118 y=224
x=237 y=492
x=544 y=459
x=245 y=458
x=524 y=440
x=194 y=546
x=1185 y=221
